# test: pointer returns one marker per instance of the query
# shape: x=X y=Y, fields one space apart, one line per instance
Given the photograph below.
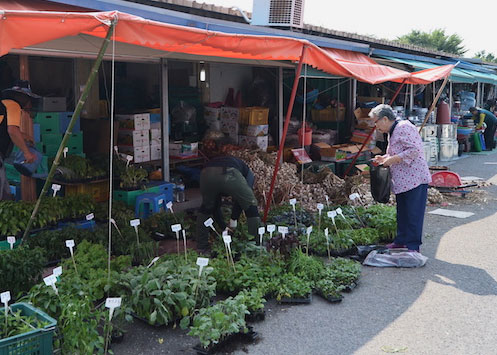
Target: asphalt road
x=447 y=307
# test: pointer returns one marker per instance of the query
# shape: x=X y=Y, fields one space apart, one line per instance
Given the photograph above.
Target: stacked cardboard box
x=134 y=136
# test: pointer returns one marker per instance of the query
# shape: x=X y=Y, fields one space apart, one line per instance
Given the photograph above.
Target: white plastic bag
x=402 y=259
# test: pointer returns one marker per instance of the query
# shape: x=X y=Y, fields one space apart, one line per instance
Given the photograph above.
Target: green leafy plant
x=292 y=286
x=21 y=268
x=253 y=299
x=18 y=324
x=342 y=272
x=282 y=246
x=382 y=218
x=308 y=267
x=328 y=289
x=213 y=324
x=133 y=178
x=76 y=168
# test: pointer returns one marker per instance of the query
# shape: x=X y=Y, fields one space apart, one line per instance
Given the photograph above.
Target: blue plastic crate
x=162 y=187
x=65 y=118
x=16 y=191
x=36 y=132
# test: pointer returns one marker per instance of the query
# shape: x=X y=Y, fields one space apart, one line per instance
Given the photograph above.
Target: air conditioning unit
x=278 y=13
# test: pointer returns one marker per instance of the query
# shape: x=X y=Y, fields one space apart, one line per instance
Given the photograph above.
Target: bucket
x=307 y=136
x=27 y=169
x=443 y=116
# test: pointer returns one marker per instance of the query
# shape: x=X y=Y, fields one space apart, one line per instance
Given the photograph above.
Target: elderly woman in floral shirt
x=410 y=175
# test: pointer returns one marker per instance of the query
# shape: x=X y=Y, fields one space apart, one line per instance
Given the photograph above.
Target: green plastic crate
x=128 y=197
x=76 y=139
x=6 y=246
x=12 y=174
x=50 y=150
x=35 y=342
x=51 y=138
x=49 y=122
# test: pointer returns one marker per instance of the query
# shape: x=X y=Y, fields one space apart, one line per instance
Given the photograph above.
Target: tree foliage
x=436 y=39
x=486 y=57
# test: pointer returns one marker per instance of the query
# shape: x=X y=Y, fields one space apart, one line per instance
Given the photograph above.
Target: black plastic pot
x=303 y=300
x=256 y=316
x=213 y=348
x=329 y=299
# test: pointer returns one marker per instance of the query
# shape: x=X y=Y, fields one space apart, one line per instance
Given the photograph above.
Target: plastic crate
x=37 y=341
x=36 y=132
x=51 y=139
x=12 y=174
x=6 y=246
x=98 y=190
x=79 y=224
x=49 y=122
x=129 y=197
x=254 y=116
x=65 y=118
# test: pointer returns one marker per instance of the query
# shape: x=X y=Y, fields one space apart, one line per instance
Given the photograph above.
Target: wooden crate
x=254 y=116
x=328 y=114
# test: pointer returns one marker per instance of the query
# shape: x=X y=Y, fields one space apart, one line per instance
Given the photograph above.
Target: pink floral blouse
x=413 y=170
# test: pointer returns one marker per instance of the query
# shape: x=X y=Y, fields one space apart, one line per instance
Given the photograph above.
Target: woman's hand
x=380 y=159
x=392 y=160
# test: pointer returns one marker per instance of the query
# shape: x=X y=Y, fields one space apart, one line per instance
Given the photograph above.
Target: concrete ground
x=446 y=307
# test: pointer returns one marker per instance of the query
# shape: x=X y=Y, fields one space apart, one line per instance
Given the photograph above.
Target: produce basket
x=37 y=341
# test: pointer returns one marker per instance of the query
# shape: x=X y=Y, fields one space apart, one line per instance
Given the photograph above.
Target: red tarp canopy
x=19 y=29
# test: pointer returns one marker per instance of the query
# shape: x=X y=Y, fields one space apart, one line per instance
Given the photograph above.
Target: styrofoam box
x=52 y=104
x=154 y=125
x=156 y=141
x=155 y=152
x=140 y=154
x=230 y=113
x=255 y=130
x=230 y=127
x=211 y=112
x=260 y=142
x=138 y=121
x=140 y=138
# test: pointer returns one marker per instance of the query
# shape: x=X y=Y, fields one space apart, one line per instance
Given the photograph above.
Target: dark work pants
x=411 y=207
x=489 y=134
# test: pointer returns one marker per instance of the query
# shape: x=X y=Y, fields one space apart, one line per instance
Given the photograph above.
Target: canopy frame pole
x=434 y=103
x=372 y=131
x=285 y=129
x=75 y=116
x=304 y=113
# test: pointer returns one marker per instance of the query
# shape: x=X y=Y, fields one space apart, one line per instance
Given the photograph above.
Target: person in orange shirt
x=13 y=101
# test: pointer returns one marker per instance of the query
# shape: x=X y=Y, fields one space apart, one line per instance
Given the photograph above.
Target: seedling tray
x=141 y=319
x=303 y=300
x=213 y=348
x=256 y=316
x=351 y=287
x=329 y=299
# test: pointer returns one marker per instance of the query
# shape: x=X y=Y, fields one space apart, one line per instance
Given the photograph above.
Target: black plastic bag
x=381 y=183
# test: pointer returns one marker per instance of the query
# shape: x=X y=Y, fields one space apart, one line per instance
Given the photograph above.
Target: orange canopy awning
x=20 y=29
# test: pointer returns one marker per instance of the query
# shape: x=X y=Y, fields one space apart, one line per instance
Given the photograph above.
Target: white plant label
x=169 y=206
x=320 y=207
x=154 y=260
x=50 y=281
x=327 y=200
x=112 y=303
x=129 y=158
x=339 y=211
x=261 y=230
x=293 y=201
x=354 y=196
x=209 y=222
x=116 y=149
x=161 y=201
x=90 y=217
x=225 y=232
x=65 y=151
x=55 y=188
x=11 y=240
x=5 y=297
x=326 y=232
x=57 y=271
x=309 y=230
x=332 y=214
x=176 y=227
x=283 y=231
x=113 y=221
x=202 y=262
x=227 y=239
x=271 y=228
x=134 y=222
x=70 y=245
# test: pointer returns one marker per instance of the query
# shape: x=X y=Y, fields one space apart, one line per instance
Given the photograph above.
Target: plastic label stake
x=11 y=240
x=176 y=228
x=271 y=228
x=327 y=242
x=129 y=158
x=50 y=281
x=70 y=245
x=283 y=231
x=332 y=215
x=55 y=188
x=90 y=216
x=209 y=223
x=154 y=260
x=354 y=196
x=184 y=243
x=57 y=271
x=113 y=221
x=112 y=303
x=65 y=151
x=261 y=231
x=229 y=254
x=116 y=149
x=327 y=201
x=135 y=223
x=340 y=212
x=320 y=210
x=225 y=232
x=5 y=298
x=202 y=262
x=293 y=202
x=169 y=206
x=309 y=231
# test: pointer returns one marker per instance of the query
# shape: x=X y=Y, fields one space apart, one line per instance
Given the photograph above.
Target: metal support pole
x=411 y=98
x=75 y=117
x=280 y=104
x=285 y=129
x=164 y=103
x=451 y=101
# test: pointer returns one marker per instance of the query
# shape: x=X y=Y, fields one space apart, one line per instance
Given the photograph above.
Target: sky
x=475 y=22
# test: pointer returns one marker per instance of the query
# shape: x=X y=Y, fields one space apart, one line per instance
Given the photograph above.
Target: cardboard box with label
x=181 y=149
x=138 y=121
x=155 y=152
x=140 y=154
x=135 y=138
x=52 y=104
x=255 y=130
x=230 y=114
x=251 y=142
x=211 y=113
